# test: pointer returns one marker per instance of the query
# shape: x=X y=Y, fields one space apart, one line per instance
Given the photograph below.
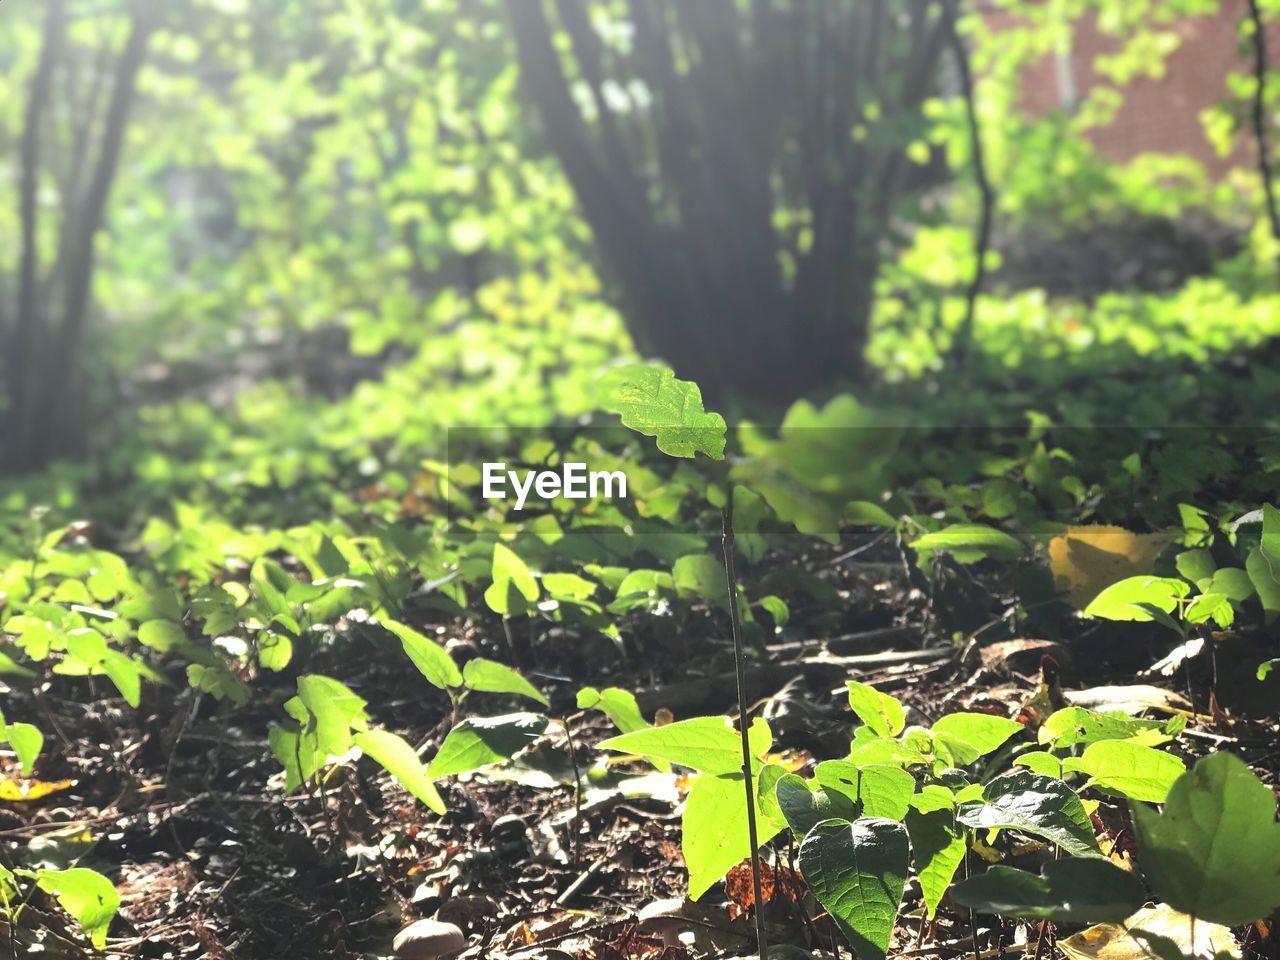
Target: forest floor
x=212 y=860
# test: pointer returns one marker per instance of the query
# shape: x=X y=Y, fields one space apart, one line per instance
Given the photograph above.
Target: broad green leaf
x=881 y=712
x=334 y=709
x=714 y=835
x=864 y=513
x=431 y=659
x=1233 y=582
x=970 y=542
x=615 y=703
x=706 y=744
x=1128 y=769
x=1042 y=762
x=1211 y=606
x=804 y=805
x=162 y=635
x=938 y=844
x=27 y=742
x=275 y=651
x=972 y=735
x=1073 y=890
x=1214 y=851
x=1196 y=565
x=85 y=894
x=701 y=575
x=398 y=758
x=1037 y=805
x=1138 y=598
x=492 y=677
x=512 y=581
x=480 y=741
x=11 y=667
x=858 y=872
x=652 y=401
x=879 y=790
x=568 y=585
x=1074 y=725
x=1263 y=575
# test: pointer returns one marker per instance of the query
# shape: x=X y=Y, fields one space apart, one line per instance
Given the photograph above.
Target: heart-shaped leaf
x=1214 y=852
x=1037 y=805
x=858 y=872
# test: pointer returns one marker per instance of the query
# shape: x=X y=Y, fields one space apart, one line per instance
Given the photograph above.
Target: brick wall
x=1159 y=115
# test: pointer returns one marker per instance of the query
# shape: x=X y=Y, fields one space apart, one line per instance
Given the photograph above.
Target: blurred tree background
x=212 y=201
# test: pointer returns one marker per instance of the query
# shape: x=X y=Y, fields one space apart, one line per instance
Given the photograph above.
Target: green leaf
x=714 y=835
x=1196 y=565
x=85 y=894
x=1138 y=598
x=615 y=703
x=880 y=790
x=972 y=735
x=27 y=742
x=804 y=805
x=333 y=709
x=275 y=651
x=701 y=575
x=706 y=744
x=431 y=659
x=1037 y=805
x=1263 y=576
x=1214 y=852
x=864 y=513
x=939 y=846
x=858 y=872
x=970 y=542
x=1074 y=725
x=1128 y=769
x=1080 y=890
x=480 y=741
x=162 y=635
x=1042 y=762
x=489 y=676
x=1211 y=606
x=652 y=401
x=514 y=585
x=879 y=711
x=398 y=758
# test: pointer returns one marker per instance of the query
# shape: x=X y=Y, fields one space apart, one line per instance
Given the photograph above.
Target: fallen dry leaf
x=1087 y=560
x=1131 y=940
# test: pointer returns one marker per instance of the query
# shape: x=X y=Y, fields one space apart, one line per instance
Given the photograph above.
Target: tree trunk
x=747 y=117
x=48 y=394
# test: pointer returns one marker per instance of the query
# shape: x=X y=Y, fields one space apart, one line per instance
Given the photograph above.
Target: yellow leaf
x=1086 y=560
x=18 y=791
x=1131 y=940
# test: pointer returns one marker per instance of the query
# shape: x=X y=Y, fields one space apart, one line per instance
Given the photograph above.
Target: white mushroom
x=428 y=940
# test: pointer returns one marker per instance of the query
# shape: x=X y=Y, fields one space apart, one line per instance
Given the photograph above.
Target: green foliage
x=1036 y=805
x=1128 y=769
x=858 y=871
x=1214 y=850
x=652 y=401
x=1089 y=890
x=479 y=742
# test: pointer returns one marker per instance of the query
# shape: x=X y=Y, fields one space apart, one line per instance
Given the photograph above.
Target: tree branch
x=1260 y=70
x=964 y=339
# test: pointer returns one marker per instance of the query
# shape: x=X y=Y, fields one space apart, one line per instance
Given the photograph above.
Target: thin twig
x=727 y=542
x=964 y=340
x=1260 y=69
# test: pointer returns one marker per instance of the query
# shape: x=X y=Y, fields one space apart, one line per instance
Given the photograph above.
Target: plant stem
x=1260 y=70
x=739 y=659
